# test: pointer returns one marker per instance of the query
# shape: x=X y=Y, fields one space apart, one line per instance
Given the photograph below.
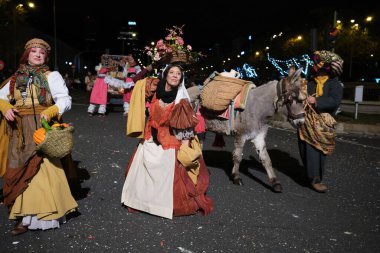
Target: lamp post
x=55 y=38
x=122 y=36
x=14 y=37
x=17 y=8
x=334 y=25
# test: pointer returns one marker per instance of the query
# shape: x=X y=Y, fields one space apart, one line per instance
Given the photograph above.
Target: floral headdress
x=173 y=49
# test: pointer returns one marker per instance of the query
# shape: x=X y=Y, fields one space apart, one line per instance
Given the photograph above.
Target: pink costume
x=132 y=71
x=128 y=92
x=99 y=93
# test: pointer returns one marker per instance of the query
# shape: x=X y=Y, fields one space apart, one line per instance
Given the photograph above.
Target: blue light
x=303 y=62
x=249 y=71
x=245 y=71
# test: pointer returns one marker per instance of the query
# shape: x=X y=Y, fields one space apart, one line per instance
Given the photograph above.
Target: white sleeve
x=59 y=92
x=117 y=83
x=4 y=92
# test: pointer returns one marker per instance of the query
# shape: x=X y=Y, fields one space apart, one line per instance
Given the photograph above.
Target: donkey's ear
x=296 y=75
x=291 y=71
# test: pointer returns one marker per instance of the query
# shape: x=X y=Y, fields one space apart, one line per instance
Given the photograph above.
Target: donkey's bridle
x=282 y=95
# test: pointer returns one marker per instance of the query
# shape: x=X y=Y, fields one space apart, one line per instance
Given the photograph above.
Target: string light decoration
x=246 y=71
x=304 y=61
x=249 y=71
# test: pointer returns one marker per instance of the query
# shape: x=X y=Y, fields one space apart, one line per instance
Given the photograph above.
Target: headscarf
x=328 y=62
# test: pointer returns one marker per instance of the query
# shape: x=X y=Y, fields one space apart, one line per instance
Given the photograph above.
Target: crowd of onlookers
x=86 y=83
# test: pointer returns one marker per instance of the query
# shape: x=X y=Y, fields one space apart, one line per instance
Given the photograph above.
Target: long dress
x=35 y=186
x=156 y=182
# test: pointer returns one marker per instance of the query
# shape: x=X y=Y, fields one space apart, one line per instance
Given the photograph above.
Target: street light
x=18 y=9
x=31 y=5
x=55 y=38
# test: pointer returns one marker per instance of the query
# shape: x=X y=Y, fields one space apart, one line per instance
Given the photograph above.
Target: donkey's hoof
x=277 y=187
x=238 y=181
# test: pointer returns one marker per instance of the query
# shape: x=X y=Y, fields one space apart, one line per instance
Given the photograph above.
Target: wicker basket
x=179 y=56
x=57 y=143
x=218 y=91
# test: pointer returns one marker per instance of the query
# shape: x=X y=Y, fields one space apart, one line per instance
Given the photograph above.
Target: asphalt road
x=249 y=218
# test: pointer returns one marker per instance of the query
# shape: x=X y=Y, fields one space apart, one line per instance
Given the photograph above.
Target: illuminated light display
x=304 y=61
x=249 y=71
x=246 y=71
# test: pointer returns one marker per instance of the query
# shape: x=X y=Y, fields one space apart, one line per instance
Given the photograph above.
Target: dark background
x=206 y=22
x=86 y=29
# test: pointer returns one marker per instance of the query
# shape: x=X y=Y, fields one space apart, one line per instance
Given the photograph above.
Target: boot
x=1 y=196
x=19 y=228
x=318 y=186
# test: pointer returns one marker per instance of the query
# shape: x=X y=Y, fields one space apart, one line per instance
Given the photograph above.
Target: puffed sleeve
x=59 y=92
x=4 y=92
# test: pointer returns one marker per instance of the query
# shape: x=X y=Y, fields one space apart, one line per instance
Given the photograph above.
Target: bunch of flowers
x=173 y=48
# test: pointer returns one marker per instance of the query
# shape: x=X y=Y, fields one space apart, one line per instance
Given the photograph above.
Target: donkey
x=286 y=97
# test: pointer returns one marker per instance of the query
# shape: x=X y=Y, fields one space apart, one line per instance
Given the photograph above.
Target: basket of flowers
x=173 y=49
x=54 y=141
x=179 y=56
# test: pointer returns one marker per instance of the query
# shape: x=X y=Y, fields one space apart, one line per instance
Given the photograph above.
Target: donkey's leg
x=261 y=149
x=237 y=155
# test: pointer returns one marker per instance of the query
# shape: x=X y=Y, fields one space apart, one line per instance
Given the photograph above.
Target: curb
x=342 y=128
x=358 y=128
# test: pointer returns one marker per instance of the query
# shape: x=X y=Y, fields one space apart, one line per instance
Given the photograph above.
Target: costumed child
x=99 y=94
x=131 y=72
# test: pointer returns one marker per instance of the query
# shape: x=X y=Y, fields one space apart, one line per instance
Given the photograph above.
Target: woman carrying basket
x=167 y=175
x=36 y=190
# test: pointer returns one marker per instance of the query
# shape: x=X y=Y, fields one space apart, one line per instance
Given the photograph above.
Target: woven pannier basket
x=218 y=91
x=179 y=56
x=57 y=143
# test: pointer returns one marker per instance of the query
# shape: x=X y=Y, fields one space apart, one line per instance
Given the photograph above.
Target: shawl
x=38 y=74
x=320 y=80
x=166 y=96
x=136 y=115
x=318 y=130
x=4 y=140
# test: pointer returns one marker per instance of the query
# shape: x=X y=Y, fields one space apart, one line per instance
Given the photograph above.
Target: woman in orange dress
x=167 y=175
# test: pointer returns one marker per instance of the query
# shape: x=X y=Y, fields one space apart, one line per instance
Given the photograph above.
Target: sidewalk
x=372 y=107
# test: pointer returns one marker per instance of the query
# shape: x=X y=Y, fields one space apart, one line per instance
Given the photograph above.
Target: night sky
x=206 y=22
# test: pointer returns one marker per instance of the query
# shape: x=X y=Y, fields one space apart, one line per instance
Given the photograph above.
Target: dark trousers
x=313 y=159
